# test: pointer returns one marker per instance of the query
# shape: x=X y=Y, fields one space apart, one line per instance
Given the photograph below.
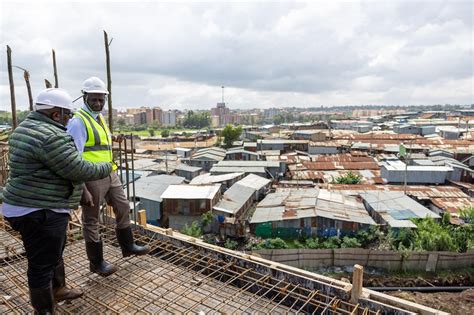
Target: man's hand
x=86 y=199
x=118 y=138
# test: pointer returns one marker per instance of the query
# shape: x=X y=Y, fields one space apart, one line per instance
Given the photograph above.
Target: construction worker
x=94 y=140
x=47 y=175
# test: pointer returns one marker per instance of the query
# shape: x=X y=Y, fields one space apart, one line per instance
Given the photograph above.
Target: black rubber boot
x=129 y=248
x=97 y=263
x=42 y=300
x=60 y=292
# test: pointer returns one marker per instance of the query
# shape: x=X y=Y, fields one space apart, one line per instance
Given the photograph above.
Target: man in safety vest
x=94 y=140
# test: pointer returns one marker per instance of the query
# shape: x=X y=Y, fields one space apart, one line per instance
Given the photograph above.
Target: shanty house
x=187 y=171
x=206 y=158
x=231 y=211
x=293 y=213
x=395 y=209
x=263 y=168
x=226 y=180
x=239 y=154
x=148 y=192
x=283 y=145
x=183 y=204
x=260 y=184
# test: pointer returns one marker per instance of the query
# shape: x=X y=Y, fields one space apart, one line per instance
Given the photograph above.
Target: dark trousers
x=44 y=236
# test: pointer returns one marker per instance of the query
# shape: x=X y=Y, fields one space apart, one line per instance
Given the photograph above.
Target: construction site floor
x=172 y=279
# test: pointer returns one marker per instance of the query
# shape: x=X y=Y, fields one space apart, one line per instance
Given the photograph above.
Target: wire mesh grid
x=171 y=279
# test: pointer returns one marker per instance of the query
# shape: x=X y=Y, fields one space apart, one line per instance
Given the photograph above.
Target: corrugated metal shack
x=395 y=209
x=292 y=213
x=183 y=204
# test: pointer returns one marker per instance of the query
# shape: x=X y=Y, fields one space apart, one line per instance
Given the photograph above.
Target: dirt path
x=454 y=303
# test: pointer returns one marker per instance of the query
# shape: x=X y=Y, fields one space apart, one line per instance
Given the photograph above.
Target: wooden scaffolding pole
x=12 y=87
x=55 y=69
x=26 y=75
x=109 y=78
x=47 y=84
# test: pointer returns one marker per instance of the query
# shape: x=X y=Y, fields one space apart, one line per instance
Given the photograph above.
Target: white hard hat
x=50 y=98
x=94 y=85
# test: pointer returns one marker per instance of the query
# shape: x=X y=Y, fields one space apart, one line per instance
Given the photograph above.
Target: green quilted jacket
x=46 y=170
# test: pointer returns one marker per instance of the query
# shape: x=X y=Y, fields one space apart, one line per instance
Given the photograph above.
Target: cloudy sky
x=285 y=53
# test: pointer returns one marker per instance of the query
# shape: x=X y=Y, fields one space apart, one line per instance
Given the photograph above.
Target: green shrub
x=350 y=242
x=312 y=243
x=230 y=244
x=192 y=230
x=331 y=243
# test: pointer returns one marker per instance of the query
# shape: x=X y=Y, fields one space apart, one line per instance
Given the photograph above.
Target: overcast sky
x=178 y=55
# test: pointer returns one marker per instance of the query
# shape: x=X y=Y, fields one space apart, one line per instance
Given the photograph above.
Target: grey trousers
x=108 y=189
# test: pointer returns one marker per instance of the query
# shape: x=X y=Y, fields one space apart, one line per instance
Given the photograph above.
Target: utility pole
x=109 y=78
x=55 y=70
x=407 y=159
x=12 y=87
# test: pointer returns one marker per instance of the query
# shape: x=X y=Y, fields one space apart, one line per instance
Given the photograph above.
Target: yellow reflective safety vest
x=98 y=146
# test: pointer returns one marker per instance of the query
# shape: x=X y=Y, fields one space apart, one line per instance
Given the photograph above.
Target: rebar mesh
x=172 y=279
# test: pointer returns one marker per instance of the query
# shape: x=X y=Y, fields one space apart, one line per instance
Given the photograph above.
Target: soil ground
x=456 y=303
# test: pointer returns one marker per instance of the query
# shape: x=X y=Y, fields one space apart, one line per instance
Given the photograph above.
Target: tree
x=200 y=120
x=121 y=122
x=231 y=134
x=151 y=131
x=278 y=119
x=165 y=133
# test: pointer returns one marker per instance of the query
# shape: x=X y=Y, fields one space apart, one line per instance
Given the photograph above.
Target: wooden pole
x=26 y=75
x=47 y=84
x=12 y=87
x=109 y=78
x=55 y=69
x=357 y=280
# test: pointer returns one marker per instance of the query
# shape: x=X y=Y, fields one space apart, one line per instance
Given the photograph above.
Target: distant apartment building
x=139 y=118
x=168 y=118
x=269 y=113
x=220 y=115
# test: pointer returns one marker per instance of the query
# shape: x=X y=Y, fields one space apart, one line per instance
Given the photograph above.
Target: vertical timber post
x=357 y=280
x=109 y=78
x=47 y=84
x=55 y=70
x=12 y=87
x=26 y=75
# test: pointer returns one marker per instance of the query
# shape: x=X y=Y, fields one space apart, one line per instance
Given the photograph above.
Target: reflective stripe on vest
x=98 y=146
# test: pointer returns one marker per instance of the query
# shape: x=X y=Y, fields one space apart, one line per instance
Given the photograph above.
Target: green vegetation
x=193 y=230
x=271 y=243
x=349 y=179
x=199 y=120
x=196 y=229
x=165 y=133
x=230 y=244
x=6 y=117
x=230 y=135
x=430 y=235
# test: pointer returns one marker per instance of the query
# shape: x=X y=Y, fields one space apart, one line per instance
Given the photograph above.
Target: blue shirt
x=77 y=130
x=9 y=211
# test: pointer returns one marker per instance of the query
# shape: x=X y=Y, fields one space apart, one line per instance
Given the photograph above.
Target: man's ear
x=56 y=116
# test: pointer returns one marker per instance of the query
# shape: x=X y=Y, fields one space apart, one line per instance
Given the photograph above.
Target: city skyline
x=284 y=54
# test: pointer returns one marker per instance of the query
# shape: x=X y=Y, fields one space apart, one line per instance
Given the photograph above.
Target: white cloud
x=265 y=53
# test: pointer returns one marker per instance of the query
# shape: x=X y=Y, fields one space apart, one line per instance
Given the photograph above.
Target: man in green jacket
x=47 y=176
